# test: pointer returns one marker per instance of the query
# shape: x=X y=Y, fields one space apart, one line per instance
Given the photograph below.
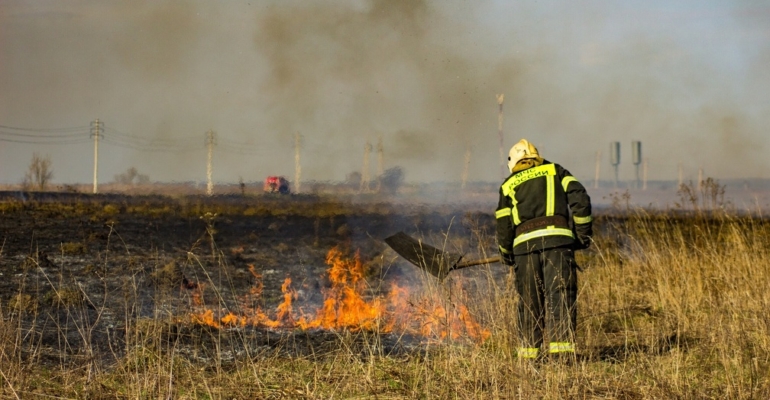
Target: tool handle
x=471 y=263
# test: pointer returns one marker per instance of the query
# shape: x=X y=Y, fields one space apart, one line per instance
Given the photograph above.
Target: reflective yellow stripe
x=504 y=251
x=561 y=347
x=527 y=174
x=550 y=197
x=527 y=352
x=550 y=231
x=582 y=220
x=505 y=212
x=566 y=181
x=514 y=209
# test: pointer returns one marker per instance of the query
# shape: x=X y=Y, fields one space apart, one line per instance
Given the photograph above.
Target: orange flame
x=345 y=307
x=256 y=290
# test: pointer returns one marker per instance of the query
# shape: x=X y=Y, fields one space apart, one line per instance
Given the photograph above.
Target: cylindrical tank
x=636 y=152
x=615 y=153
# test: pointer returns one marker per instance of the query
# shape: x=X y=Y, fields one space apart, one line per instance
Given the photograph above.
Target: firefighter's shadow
x=619 y=353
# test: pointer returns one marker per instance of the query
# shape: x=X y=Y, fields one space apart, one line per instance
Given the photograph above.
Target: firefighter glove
x=583 y=243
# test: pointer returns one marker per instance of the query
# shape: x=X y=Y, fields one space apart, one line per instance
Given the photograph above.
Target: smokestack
x=503 y=164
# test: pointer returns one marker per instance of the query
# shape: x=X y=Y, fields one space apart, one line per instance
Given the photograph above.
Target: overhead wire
x=69 y=138
x=64 y=142
x=149 y=148
x=115 y=137
x=119 y=138
x=240 y=148
x=64 y=135
x=140 y=139
x=50 y=136
x=74 y=128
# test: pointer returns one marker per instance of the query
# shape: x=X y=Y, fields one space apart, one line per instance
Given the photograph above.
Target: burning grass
x=671 y=305
x=345 y=307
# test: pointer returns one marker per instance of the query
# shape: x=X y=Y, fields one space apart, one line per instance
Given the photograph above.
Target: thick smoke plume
x=690 y=82
x=394 y=69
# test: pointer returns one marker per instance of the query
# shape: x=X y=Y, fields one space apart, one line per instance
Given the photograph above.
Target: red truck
x=276 y=184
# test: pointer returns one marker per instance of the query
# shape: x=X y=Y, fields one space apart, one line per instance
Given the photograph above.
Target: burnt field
x=115 y=296
x=81 y=273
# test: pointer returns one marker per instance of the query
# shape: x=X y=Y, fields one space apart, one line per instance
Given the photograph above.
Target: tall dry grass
x=671 y=305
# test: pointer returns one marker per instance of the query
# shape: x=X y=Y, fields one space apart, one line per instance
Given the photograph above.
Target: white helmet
x=519 y=151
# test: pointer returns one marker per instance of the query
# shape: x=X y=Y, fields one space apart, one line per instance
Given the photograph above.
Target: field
x=257 y=296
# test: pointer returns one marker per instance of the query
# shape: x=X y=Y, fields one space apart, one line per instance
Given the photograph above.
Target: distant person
x=543 y=214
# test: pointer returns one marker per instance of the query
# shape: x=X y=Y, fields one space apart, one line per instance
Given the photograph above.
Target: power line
x=118 y=138
x=127 y=140
x=143 y=140
x=228 y=148
x=240 y=144
x=74 y=128
x=27 y=135
x=111 y=129
x=64 y=142
x=149 y=147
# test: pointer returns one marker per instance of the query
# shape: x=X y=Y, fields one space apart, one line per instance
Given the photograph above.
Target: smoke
x=379 y=68
x=404 y=70
x=154 y=39
x=689 y=81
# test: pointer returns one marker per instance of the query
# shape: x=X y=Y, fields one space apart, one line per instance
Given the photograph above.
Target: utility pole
x=681 y=176
x=644 y=174
x=503 y=164
x=297 y=165
x=380 y=163
x=209 y=167
x=96 y=130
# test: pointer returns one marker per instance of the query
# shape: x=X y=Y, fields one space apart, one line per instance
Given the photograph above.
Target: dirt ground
x=80 y=273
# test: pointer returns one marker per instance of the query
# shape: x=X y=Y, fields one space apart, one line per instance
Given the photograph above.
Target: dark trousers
x=546 y=282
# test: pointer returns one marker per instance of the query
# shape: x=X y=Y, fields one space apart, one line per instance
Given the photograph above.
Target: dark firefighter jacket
x=542 y=207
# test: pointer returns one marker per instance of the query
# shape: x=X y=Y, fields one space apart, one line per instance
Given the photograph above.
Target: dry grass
x=671 y=306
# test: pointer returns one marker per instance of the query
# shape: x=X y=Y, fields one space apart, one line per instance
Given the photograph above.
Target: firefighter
x=543 y=215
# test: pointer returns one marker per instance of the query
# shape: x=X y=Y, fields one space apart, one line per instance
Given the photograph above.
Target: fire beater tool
x=434 y=261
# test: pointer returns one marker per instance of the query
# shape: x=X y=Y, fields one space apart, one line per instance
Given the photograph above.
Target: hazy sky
x=690 y=79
